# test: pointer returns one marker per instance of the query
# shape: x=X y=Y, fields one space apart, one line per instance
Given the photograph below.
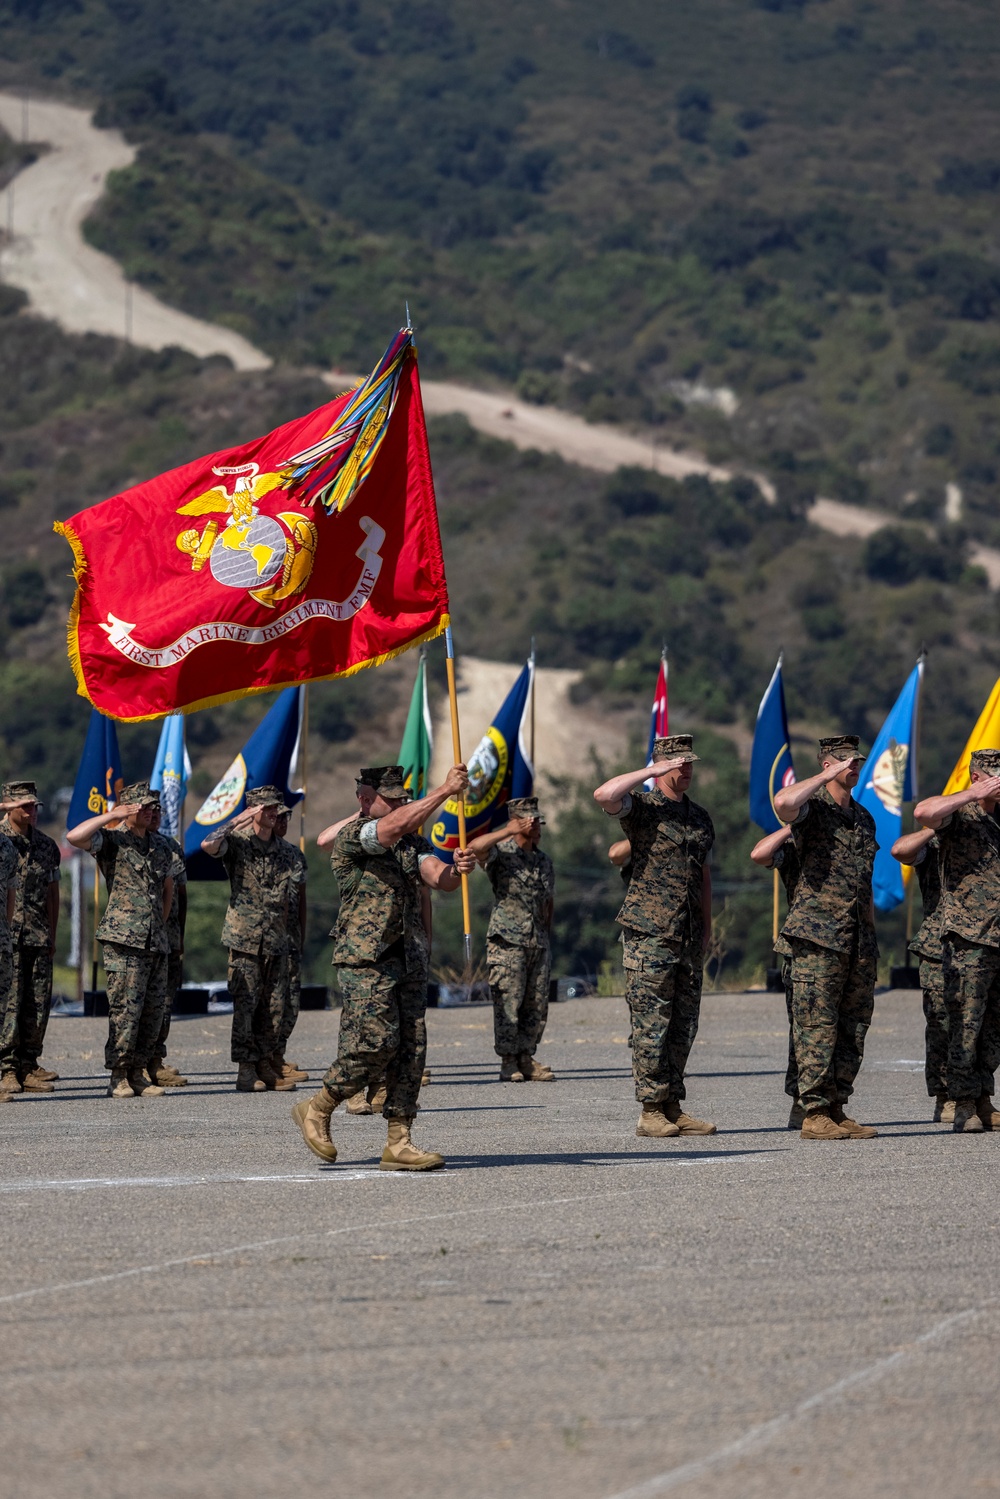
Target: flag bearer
x=136 y=865
x=922 y=851
x=382 y=1028
x=33 y=930
x=666 y=920
x=296 y=940
x=831 y=931
x=518 y=944
x=968 y=829
x=263 y=887
x=160 y=1073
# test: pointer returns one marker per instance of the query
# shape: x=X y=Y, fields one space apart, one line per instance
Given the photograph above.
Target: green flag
x=418 y=738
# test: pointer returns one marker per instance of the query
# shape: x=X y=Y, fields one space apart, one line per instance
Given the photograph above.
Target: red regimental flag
x=217 y=580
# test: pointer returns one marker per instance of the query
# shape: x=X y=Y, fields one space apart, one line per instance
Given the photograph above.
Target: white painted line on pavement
x=759 y=1436
x=89 y=1183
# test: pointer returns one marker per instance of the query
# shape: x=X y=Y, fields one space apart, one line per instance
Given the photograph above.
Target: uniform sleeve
x=98 y=841
x=299 y=870
x=625 y=809
x=492 y=856
x=220 y=852
x=367 y=839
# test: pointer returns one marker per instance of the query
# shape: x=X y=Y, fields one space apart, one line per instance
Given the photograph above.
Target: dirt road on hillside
x=85 y=291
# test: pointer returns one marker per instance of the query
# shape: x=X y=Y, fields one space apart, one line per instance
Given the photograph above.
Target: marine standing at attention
x=382 y=1027
x=263 y=886
x=968 y=829
x=33 y=930
x=10 y=1082
x=831 y=931
x=296 y=939
x=922 y=851
x=518 y=943
x=162 y=1074
x=666 y=921
x=136 y=866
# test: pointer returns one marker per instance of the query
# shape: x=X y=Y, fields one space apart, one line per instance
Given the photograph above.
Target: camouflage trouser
x=663 y=989
x=382 y=1032
x=257 y=985
x=137 y=992
x=30 y=999
x=293 y=1000
x=175 y=972
x=792 y=1070
x=519 y=988
x=833 y=995
x=972 y=996
x=935 y=1027
x=8 y=1014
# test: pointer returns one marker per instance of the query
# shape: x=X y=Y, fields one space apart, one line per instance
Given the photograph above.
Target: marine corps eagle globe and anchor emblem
x=271 y=557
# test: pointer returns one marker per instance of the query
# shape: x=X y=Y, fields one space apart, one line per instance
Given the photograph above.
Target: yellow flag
x=986 y=735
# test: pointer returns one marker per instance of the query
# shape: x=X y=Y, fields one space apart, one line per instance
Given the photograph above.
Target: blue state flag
x=99 y=779
x=888 y=779
x=171 y=773
x=268 y=758
x=771 y=765
x=499 y=768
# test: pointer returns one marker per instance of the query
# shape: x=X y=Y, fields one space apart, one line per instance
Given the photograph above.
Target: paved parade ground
x=193 y=1305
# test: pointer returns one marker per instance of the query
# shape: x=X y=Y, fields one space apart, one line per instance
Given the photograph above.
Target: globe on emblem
x=258 y=558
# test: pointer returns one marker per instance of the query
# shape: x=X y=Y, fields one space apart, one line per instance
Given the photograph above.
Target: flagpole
x=774 y=910
x=97 y=918
x=534 y=777
x=305 y=767
x=456 y=749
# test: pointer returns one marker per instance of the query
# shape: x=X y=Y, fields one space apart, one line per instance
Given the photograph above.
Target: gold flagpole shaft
x=97 y=918
x=456 y=750
x=774 y=909
x=909 y=916
x=305 y=768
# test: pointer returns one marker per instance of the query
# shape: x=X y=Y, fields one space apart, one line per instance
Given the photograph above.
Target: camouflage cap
x=524 y=806
x=986 y=761
x=840 y=747
x=386 y=780
x=265 y=796
x=675 y=747
x=20 y=791
x=138 y=793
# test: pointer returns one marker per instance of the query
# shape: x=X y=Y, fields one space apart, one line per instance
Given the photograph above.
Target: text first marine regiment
x=382 y=1029
x=666 y=920
x=33 y=936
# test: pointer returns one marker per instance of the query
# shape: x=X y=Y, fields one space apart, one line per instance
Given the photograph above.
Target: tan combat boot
x=272 y=1082
x=987 y=1113
x=247 y=1080
x=10 y=1083
x=940 y=1104
x=32 y=1084
x=166 y=1077
x=43 y=1074
x=141 y=1086
x=510 y=1070
x=854 y=1129
x=948 y=1111
x=288 y=1069
x=534 y=1072
x=818 y=1125
x=967 y=1120
x=358 y=1103
x=376 y=1097
x=312 y=1115
x=796 y=1115
x=425 y=1079
x=686 y=1123
x=400 y=1153
x=119 y=1085
x=6 y=1096
x=654 y=1124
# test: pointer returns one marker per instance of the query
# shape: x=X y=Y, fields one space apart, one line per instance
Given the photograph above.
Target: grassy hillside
x=791 y=199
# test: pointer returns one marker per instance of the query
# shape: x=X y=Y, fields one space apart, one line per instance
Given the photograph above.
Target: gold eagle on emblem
x=249 y=550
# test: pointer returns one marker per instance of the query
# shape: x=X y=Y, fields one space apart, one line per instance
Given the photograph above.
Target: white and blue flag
x=888 y=779
x=171 y=773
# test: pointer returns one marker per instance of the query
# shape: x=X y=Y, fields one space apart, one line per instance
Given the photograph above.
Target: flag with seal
x=771 y=765
x=308 y=553
x=99 y=779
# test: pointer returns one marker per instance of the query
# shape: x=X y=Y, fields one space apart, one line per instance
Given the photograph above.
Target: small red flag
x=225 y=577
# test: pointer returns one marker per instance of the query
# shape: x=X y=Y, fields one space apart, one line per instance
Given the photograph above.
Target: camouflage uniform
x=834 y=954
x=8 y=994
x=663 y=936
x=970 y=926
x=926 y=945
x=518 y=950
x=263 y=884
x=380 y=968
x=293 y=990
x=134 y=934
x=38 y=869
x=175 y=943
x=786 y=862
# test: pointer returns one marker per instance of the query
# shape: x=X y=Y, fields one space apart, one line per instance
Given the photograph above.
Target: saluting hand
x=663 y=767
x=987 y=790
